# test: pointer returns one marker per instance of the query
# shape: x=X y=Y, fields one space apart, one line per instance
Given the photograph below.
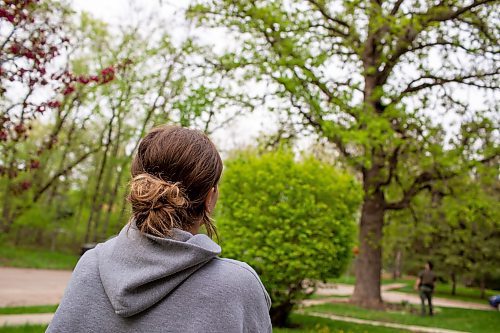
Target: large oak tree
x=382 y=80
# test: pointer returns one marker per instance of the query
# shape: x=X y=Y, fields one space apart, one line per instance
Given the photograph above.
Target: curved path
x=391 y=296
x=26 y=286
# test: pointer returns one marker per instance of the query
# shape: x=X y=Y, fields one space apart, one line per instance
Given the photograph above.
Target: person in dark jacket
x=425 y=286
x=160 y=274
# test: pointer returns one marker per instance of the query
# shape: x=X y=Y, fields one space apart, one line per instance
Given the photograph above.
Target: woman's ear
x=211 y=199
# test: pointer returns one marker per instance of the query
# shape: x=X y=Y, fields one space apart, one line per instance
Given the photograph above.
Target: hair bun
x=156 y=203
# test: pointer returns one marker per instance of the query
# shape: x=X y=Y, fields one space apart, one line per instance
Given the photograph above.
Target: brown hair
x=173 y=171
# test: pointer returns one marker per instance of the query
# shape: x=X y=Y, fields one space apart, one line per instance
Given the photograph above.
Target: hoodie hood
x=138 y=270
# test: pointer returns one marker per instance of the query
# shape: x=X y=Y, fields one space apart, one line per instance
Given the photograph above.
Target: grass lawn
x=316 y=296
x=345 y=279
x=36 y=258
x=305 y=324
x=450 y=318
x=23 y=329
x=350 y=279
x=28 y=309
x=308 y=324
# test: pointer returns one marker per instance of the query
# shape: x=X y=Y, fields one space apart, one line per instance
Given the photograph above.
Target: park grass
x=448 y=318
x=28 y=309
x=306 y=324
x=303 y=323
x=36 y=258
x=316 y=296
x=23 y=329
x=344 y=279
x=309 y=324
x=350 y=279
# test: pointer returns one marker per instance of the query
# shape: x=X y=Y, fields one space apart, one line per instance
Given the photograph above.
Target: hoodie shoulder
x=73 y=313
x=86 y=268
x=244 y=275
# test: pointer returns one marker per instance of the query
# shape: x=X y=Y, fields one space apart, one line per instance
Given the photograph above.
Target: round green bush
x=293 y=221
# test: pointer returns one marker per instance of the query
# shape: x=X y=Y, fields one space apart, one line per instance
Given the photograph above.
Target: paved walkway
x=24 y=286
x=409 y=328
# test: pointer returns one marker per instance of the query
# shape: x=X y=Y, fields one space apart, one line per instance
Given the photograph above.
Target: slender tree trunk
x=39 y=237
x=369 y=261
x=396 y=274
x=111 y=203
x=95 y=198
x=453 y=283
x=7 y=215
x=482 y=286
x=55 y=186
x=111 y=196
x=17 y=240
x=123 y=209
x=78 y=215
x=93 y=205
x=53 y=240
x=6 y=209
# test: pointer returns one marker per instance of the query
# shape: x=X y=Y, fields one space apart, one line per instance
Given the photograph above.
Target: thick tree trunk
x=369 y=261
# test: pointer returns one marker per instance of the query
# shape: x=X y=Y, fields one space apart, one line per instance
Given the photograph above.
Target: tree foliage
x=293 y=221
x=456 y=226
x=72 y=162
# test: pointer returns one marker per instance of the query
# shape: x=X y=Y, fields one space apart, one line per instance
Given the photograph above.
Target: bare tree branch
x=439 y=81
x=62 y=172
x=438 y=13
x=396 y=7
x=328 y=16
x=393 y=163
x=421 y=182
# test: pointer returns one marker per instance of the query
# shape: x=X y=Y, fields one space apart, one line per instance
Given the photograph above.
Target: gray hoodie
x=142 y=283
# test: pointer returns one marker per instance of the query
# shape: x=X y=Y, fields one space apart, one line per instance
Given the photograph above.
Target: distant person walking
x=425 y=286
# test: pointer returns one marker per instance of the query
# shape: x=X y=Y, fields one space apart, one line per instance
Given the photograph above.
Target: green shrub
x=294 y=222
